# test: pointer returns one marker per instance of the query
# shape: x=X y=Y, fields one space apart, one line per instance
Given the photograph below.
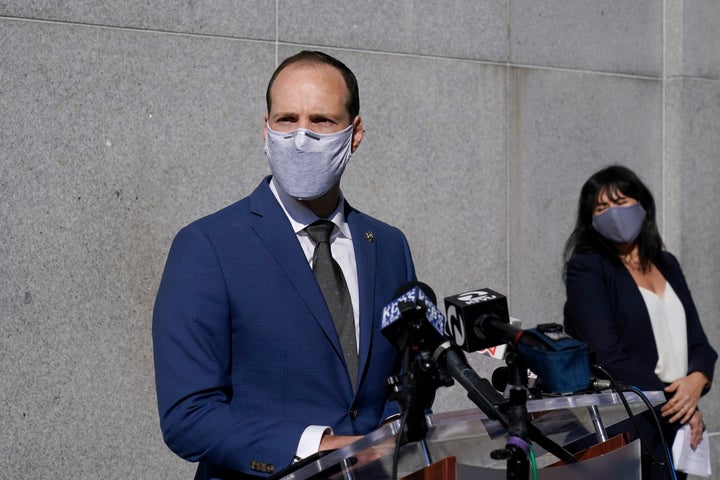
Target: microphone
x=479 y=319
x=465 y=313
x=412 y=319
x=499 y=378
x=413 y=325
x=479 y=389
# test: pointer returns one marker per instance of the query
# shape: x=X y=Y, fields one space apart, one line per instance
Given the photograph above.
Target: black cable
x=398 y=444
x=405 y=400
x=631 y=416
x=670 y=464
x=619 y=390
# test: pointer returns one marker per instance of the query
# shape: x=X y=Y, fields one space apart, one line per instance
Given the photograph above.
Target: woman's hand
x=697 y=427
x=686 y=393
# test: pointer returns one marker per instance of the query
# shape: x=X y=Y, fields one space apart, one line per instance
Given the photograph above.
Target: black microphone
x=479 y=319
x=413 y=324
x=479 y=389
x=500 y=379
x=412 y=319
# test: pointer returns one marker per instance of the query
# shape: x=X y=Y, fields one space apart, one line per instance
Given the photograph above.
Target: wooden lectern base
x=441 y=470
x=600 y=449
x=445 y=469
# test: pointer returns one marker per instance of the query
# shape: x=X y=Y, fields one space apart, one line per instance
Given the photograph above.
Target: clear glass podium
x=469 y=437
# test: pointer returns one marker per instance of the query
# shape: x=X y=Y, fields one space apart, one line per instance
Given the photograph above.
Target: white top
x=667 y=317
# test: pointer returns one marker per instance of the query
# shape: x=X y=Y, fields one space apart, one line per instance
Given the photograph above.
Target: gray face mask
x=305 y=164
x=620 y=224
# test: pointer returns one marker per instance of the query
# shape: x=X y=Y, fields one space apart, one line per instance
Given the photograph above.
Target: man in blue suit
x=249 y=367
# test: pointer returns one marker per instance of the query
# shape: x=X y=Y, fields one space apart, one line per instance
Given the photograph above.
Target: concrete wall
x=122 y=121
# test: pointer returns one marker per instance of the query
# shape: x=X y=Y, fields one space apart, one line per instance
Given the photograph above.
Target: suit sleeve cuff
x=310 y=440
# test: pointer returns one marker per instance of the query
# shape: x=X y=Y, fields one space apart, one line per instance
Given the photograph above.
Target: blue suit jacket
x=606 y=310
x=246 y=353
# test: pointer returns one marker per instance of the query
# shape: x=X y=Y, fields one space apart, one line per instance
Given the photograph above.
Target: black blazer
x=605 y=309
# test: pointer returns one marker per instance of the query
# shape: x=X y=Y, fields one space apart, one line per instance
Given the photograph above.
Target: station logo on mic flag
x=391 y=312
x=464 y=309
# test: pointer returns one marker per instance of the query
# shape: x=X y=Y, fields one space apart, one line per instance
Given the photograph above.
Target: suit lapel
x=274 y=230
x=365 y=257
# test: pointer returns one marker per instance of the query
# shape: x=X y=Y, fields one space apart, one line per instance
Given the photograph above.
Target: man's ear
x=265 y=126
x=358 y=132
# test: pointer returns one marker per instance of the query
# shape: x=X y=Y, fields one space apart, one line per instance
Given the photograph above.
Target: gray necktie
x=332 y=283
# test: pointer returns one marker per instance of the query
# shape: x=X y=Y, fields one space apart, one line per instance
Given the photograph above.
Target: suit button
x=353 y=414
x=262 y=467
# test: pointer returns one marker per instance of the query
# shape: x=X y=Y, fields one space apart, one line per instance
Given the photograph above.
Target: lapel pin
x=370 y=236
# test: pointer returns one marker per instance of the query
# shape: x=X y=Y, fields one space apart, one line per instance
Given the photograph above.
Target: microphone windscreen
x=412 y=319
x=464 y=312
x=407 y=286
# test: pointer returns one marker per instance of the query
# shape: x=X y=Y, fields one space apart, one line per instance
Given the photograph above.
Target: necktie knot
x=320 y=231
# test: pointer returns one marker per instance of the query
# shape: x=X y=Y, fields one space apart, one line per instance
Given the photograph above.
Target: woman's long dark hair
x=585 y=239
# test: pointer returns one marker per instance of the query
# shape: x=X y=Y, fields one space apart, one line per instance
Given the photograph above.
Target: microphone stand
x=415 y=392
x=518 y=446
x=520 y=430
x=511 y=413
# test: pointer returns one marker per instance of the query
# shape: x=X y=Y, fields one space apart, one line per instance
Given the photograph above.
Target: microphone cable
x=405 y=414
x=533 y=462
x=666 y=449
x=619 y=389
x=398 y=444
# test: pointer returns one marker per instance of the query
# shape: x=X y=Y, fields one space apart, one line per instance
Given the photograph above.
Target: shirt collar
x=300 y=216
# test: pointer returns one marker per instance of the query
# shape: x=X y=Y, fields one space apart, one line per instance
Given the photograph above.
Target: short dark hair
x=316 y=58
x=585 y=239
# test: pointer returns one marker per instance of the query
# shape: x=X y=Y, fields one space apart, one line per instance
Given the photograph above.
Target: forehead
x=307 y=84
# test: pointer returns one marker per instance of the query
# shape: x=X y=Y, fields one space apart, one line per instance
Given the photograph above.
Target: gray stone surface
x=461 y=29
x=701 y=39
x=605 y=36
x=112 y=140
x=122 y=122
x=697 y=171
x=251 y=19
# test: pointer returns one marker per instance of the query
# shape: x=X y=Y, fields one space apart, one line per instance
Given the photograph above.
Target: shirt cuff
x=391 y=418
x=310 y=440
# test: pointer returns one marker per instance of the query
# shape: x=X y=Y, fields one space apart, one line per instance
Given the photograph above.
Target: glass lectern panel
x=470 y=436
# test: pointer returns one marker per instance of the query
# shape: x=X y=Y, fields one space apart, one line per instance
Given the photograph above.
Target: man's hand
x=333 y=442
